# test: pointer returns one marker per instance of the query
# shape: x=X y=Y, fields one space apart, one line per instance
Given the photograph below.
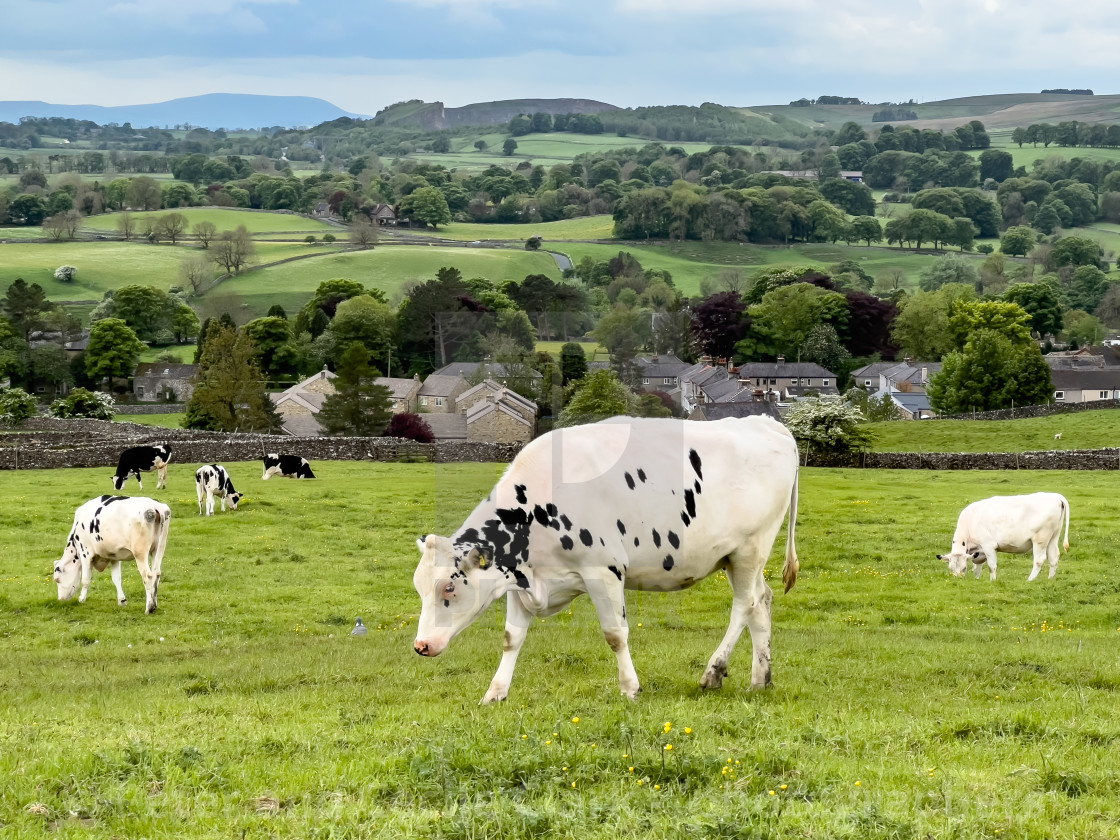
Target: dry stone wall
x=1030 y=411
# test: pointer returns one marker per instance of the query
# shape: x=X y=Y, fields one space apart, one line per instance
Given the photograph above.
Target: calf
x=213 y=480
x=288 y=466
x=140 y=459
x=106 y=531
x=1014 y=524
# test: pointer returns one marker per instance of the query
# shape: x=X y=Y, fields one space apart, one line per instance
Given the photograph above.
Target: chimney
x=909 y=360
x=655 y=360
x=925 y=375
x=323 y=374
x=415 y=377
x=781 y=360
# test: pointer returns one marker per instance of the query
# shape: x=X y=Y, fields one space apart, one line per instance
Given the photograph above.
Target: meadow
x=225 y=218
x=1098 y=429
x=167 y=421
x=906 y=704
x=584 y=227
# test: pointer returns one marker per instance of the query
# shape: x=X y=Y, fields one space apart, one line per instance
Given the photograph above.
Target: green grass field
x=1028 y=154
x=1080 y=430
x=585 y=227
x=224 y=218
x=386 y=267
x=184 y=352
x=592 y=351
x=907 y=704
x=167 y=421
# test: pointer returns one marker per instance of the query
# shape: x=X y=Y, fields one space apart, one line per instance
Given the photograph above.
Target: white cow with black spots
x=1014 y=524
x=213 y=480
x=624 y=504
x=106 y=531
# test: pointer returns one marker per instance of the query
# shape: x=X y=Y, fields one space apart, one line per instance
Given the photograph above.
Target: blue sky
x=365 y=54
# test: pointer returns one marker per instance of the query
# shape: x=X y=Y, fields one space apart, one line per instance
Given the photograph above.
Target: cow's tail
x=162 y=527
x=791 y=566
x=1065 y=539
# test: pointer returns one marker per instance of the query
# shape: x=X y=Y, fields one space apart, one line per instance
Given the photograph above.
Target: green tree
x=145 y=309
x=867 y=229
x=1001 y=317
x=25 y=305
x=996 y=164
x=27 y=210
x=509 y=146
x=366 y=321
x=359 y=405
x=1041 y=301
x=427 y=205
x=823 y=346
x=144 y=193
x=787 y=315
x=16 y=406
x=573 y=362
x=113 y=350
x=990 y=372
x=828 y=426
x=1046 y=220
x=184 y=323
x=270 y=336
x=950 y=268
x=229 y=392
x=1075 y=250
x=1087 y=288
x=921 y=329
x=1082 y=328
x=1017 y=241
x=597 y=396
x=205 y=232
x=83 y=403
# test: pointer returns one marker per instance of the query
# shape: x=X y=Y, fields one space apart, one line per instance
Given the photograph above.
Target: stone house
x=163 y=382
x=405 y=393
x=1085 y=385
x=493 y=391
x=661 y=373
x=496 y=413
x=438 y=393
x=299 y=405
x=478 y=371
x=789 y=379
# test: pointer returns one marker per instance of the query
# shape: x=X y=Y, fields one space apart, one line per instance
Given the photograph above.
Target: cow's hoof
x=713 y=677
x=123 y=601
x=494 y=695
x=632 y=694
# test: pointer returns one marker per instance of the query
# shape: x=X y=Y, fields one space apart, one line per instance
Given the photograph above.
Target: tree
x=205 y=232
x=1017 y=241
x=1082 y=328
x=436 y=318
x=364 y=320
x=184 y=324
x=126 y=225
x=1000 y=317
x=196 y=273
x=870 y=320
x=410 y=426
x=145 y=309
x=1108 y=310
x=83 y=403
x=963 y=233
x=1041 y=301
x=359 y=405
x=827 y=426
x=921 y=328
x=598 y=395
x=113 y=350
x=234 y=249
x=947 y=269
x=1075 y=250
x=866 y=229
x=229 y=392
x=990 y=372
x=65 y=273
x=144 y=192
x=573 y=362
x=171 y=226
x=25 y=306
x=62 y=225
x=509 y=146
x=481 y=145
x=719 y=323
x=788 y=314
x=16 y=405
x=27 y=210
x=363 y=232
x=823 y=346
x=1087 y=288
x=996 y=164
x=427 y=205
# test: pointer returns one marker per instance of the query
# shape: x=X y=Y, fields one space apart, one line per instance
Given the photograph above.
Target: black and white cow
x=140 y=459
x=213 y=480
x=625 y=504
x=106 y=531
x=288 y=466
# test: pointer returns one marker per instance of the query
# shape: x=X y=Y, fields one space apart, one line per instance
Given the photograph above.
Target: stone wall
x=47 y=443
x=150 y=408
x=1080 y=459
x=1031 y=411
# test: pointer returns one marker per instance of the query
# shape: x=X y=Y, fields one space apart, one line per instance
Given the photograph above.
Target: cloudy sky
x=365 y=54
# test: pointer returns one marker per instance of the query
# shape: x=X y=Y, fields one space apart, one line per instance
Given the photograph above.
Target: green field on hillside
x=167 y=421
x=584 y=227
x=184 y=352
x=593 y=352
x=1080 y=430
x=906 y=703
x=224 y=218
x=386 y=267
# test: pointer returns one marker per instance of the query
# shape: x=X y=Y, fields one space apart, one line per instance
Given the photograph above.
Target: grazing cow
x=288 y=466
x=653 y=504
x=140 y=459
x=213 y=480
x=1014 y=524
x=106 y=531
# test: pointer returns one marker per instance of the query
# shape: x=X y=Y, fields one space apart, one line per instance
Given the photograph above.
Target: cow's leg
x=978 y=569
x=990 y=553
x=141 y=548
x=1053 y=554
x=608 y=594
x=750 y=608
x=87 y=575
x=201 y=493
x=1039 y=558
x=209 y=503
x=161 y=473
x=139 y=480
x=115 y=573
x=517 y=625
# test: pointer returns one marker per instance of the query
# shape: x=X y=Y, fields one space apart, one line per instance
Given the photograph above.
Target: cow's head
x=118 y=481
x=456 y=583
x=232 y=499
x=68 y=572
x=959 y=557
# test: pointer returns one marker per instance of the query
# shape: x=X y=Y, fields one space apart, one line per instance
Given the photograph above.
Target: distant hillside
x=212 y=110
x=433 y=116
x=996 y=111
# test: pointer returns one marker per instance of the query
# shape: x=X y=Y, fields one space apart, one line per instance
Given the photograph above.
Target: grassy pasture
x=184 y=352
x=167 y=421
x=906 y=704
x=386 y=267
x=225 y=218
x=585 y=227
x=1081 y=430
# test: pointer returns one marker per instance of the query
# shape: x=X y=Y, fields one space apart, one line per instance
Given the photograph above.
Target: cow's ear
x=480 y=556
x=420 y=544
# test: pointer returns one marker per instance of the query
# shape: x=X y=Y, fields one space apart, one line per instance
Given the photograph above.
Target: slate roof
x=871 y=372
x=439 y=385
x=912 y=402
x=661 y=365
x=1086 y=380
x=447 y=426
x=784 y=370
x=302 y=425
x=399 y=389
x=470 y=369
x=717 y=411
x=484 y=407
x=500 y=393
x=718 y=390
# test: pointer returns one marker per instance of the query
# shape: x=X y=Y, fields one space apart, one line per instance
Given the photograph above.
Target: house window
x=867 y=383
x=424 y=401
x=824 y=382
x=773 y=381
x=668 y=380
x=645 y=381
x=439 y=401
x=140 y=391
x=1059 y=395
x=1104 y=395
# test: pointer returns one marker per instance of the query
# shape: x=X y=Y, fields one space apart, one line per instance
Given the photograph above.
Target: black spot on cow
x=616 y=572
x=621 y=527
x=566 y=543
x=674 y=540
x=468 y=537
x=602 y=541
x=554 y=524
x=667 y=563
x=552 y=509
x=656 y=538
x=696 y=487
x=685 y=519
x=567 y=522
x=520 y=490
x=446 y=603
x=641 y=475
x=636 y=543
x=585 y=537
x=694 y=459
x=107 y=500
x=630 y=481
x=690 y=503
x=540 y=514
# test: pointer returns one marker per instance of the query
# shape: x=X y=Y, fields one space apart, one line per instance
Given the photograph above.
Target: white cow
x=106 y=531
x=1014 y=524
x=213 y=480
x=624 y=504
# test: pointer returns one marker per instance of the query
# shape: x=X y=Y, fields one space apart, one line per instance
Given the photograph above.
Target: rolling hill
x=434 y=116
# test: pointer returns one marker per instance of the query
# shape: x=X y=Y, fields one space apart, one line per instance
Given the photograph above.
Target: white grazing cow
x=212 y=480
x=623 y=504
x=106 y=531
x=1014 y=524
